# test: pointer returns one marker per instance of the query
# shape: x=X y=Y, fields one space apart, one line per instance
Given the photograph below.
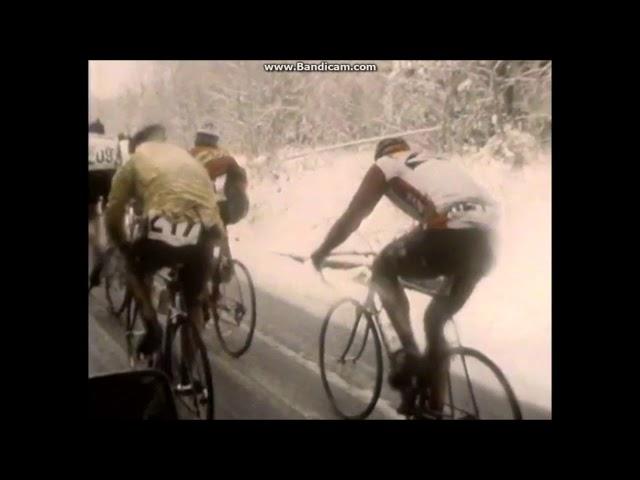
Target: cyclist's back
x=181 y=227
x=233 y=200
x=419 y=179
x=169 y=182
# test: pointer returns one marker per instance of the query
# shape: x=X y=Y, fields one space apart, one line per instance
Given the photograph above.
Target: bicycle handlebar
x=337 y=264
x=431 y=287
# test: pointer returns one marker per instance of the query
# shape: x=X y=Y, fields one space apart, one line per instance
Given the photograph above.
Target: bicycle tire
x=236 y=353
x=131 y=309
x=513 y=403
x=201 y=351
x=116 y=310
x=378 y=361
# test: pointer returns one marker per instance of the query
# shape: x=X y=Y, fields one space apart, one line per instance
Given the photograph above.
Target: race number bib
x=476 y=216
x=103 y=153
x=174 y=234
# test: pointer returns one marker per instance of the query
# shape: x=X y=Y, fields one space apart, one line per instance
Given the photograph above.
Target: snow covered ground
x=509 y=315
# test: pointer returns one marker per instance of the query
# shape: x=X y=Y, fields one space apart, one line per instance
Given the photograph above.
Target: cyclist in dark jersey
x=454 y=238
x=219 y=162
x=233 y=201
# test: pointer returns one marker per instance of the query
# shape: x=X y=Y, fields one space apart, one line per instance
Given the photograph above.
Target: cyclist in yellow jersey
x=182 y=223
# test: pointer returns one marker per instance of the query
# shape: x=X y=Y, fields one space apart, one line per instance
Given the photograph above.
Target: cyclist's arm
x=371 y=189
x=122 y=191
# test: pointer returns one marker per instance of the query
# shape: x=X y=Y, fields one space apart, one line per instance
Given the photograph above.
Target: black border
x=72 y=345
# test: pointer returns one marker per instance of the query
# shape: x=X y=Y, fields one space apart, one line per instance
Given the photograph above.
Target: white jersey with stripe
x=104 y=153
x=416 y=179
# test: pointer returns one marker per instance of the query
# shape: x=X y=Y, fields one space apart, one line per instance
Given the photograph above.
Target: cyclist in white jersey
x=454 y=238
x=104 y=159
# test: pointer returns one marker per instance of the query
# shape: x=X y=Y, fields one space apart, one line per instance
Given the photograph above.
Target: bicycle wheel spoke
x=473 y=396
x=352 y=335
x=450 y=388
x=194 y=395
x=364 y=344
x=234 y=312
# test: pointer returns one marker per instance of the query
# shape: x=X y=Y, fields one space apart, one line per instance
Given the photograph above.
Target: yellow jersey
x=167 y=181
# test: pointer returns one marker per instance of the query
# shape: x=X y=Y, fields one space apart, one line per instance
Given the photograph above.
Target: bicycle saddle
x=439 y=286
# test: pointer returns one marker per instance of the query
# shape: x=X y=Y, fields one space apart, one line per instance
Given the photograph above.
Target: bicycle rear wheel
x=234 y=313
x=132 y=327
x=477 y=389
x=192 y=386
x=350 y=360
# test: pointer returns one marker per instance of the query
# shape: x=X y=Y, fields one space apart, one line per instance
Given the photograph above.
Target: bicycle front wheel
x=191 y=384
x=350 y=360
x=235 y=311
x=477 y=389
x=115 y=284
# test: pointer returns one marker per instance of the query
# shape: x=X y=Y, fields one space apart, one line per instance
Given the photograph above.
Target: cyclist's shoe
x=151 y=341
x=407 y=405
x=404 y=365
x=423 y=375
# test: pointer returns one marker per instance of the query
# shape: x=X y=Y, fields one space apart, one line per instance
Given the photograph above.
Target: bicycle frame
x=370 y=308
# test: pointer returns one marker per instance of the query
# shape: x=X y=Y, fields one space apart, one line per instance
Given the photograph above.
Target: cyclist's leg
x=400 y=258
x=98 y=249
x=94 y=276
x=438 y=312
x=221 y=266
x=148 y=257
x=99 y=187
x=91 y=226
x=195 y=273
x=465 y=256
x=386 y=281
x=225 y=267
x=94 y=196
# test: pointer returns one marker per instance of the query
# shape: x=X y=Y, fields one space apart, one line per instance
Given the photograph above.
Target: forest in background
x=500 y=105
